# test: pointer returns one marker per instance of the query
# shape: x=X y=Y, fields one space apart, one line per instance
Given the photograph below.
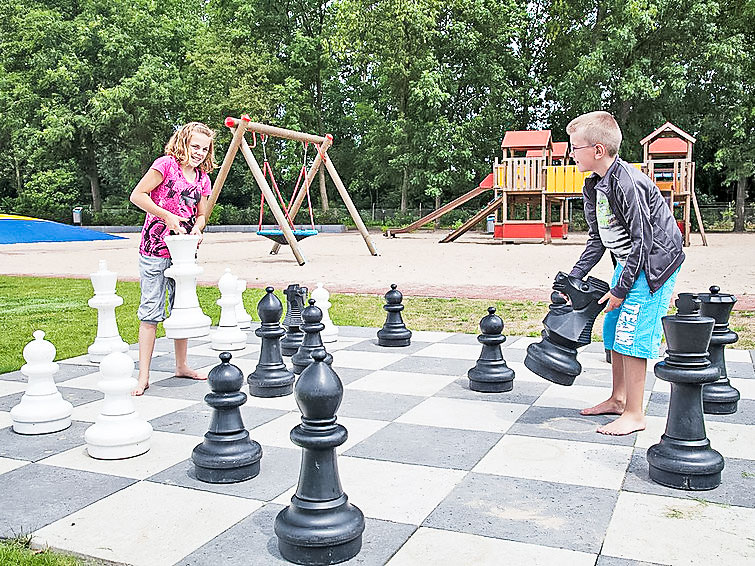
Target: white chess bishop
x=42 y=408
x=118 y=431
x=322 y=302
x=186 y=318
x=105 y=300
x=228 y=336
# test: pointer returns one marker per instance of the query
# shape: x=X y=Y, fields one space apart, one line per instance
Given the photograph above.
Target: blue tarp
x=21 y=229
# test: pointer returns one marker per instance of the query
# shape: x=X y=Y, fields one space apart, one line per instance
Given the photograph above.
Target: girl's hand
x=196 y=231
x=173 y=222
x=613 y=302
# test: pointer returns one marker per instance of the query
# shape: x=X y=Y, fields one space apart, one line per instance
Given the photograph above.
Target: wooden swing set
x=286 y=233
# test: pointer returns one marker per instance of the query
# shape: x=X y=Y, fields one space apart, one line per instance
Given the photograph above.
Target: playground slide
x=486 y=185
x=492 y=205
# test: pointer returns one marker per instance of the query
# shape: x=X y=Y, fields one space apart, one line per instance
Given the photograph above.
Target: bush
x=49 y=194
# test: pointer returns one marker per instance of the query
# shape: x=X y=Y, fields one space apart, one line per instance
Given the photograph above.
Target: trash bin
x=491 y=224
x=77 y=215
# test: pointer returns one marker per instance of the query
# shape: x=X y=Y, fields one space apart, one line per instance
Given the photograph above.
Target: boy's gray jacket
x=641 y=209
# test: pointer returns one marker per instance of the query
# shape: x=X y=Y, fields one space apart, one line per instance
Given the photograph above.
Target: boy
x=627 y=215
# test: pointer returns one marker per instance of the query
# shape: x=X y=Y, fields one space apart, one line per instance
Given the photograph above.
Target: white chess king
x=105 y=300
x=186 y=318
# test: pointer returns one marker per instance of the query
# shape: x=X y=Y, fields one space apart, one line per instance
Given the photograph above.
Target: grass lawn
x=59 y=307
x=16 y=552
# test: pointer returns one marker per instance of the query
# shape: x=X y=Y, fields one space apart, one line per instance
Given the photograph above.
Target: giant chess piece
x=312 y=341
x=186 y=318
x=683 y=459
x=568 y=325
x=322 y=301
x=719 y=398
x=271 y=377
x=227 y=454
x=491 y=374
x=320 y=526
x=228 y=336
x=242 y=317
x=295 y=297
x=105 y=300
x=118 y=431
x=394 y=332
x=42 y=408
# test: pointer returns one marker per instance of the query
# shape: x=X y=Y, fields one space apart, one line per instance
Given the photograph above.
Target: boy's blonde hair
x=597 y=127
x=178 y=145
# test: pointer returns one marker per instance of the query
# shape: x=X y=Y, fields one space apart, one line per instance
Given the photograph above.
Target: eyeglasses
x=574 y=148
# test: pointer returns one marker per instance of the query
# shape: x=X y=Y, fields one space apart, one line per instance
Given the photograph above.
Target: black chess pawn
x=271 y=377
x=491 y=374
x=295 y=297
x=320 y=526
x=394 y=332
x=227 y=454
x=683 y=459
x=312 y=326
x=567 y=326
x=719 y=397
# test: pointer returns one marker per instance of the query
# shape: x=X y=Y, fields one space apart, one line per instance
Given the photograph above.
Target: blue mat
x=23 y=229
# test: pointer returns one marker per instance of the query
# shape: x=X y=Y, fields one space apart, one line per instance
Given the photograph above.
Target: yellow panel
x=550 y=179
x=560 y=171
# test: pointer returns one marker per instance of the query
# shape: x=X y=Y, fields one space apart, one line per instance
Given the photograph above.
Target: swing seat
x=277 y=235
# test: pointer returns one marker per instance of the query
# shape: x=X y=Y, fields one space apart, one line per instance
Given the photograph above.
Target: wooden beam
x=277 y=132
x=233 y=147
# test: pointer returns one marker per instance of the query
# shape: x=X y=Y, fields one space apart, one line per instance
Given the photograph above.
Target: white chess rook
x=42 y=408
x=118 y=431
x=105 y=300
x=322 y=301
x=242 y=317
x=186 y=318
x=228 y=336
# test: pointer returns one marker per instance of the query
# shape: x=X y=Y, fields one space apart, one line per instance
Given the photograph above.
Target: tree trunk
x=404 y=189
x=91 y=174
x=19 y=179
x=739 y=205
x=437 y=206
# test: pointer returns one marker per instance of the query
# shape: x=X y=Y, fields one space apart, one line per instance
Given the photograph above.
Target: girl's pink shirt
x=176 y=194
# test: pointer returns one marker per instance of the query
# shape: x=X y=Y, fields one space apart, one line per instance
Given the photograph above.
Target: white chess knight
x=228 y=336
x=186 y=318
x=105 y=300
x=118 y=431
x=242 y=317
x=322 y=301
x=42 y=408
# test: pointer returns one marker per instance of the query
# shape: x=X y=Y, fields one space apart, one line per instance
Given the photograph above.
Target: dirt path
x=473 y=267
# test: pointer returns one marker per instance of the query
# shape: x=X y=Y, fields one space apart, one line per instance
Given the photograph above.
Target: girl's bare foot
x=608 y=407
x=188 y=373
x=625 y=424
x=141 y=387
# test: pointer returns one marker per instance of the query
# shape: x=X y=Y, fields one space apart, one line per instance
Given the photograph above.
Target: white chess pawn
x=322 y=301
x=118 y=432
x=186 y=318
x=242 y=317
x=228 y=336
x=105 y=300
x=42 y=408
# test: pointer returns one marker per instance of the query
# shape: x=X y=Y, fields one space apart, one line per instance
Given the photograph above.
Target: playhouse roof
x=527 y=139
x=668 y=127
x=668 y=146
x=560 y=149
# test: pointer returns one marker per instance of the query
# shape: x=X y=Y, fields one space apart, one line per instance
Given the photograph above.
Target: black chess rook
x=227 y=454
x=394 y=332
x=491 y=374
x=312 y=326
x=320 y=526
x=295 y=297
x=271 y=377
x=684 y=459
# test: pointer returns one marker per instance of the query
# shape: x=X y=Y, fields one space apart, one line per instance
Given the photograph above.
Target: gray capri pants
x=154 y=283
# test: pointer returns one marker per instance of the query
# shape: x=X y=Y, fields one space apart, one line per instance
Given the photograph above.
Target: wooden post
x=350 y=205
x=323 y=190
x=271 y=200
x=227 y=162
x=316 y=165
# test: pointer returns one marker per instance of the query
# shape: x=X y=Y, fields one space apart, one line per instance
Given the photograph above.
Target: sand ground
x=476 y=266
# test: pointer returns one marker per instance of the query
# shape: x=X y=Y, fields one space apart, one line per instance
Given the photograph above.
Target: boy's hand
x=613 y=302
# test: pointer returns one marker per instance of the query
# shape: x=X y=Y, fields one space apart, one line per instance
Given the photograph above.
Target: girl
x=174 y=194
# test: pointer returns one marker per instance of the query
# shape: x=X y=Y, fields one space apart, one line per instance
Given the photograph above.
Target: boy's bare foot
x=188 y=373
x=141 y=387
x=625 y=424
x=608 y=407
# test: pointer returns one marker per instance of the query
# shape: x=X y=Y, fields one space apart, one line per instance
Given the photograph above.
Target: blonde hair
x=178 y=145
x=597 y=128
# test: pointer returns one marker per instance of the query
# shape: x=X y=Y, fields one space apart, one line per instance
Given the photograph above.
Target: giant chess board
x=443 y=475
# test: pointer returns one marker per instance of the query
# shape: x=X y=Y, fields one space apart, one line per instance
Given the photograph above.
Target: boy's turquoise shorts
x=635 y=329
